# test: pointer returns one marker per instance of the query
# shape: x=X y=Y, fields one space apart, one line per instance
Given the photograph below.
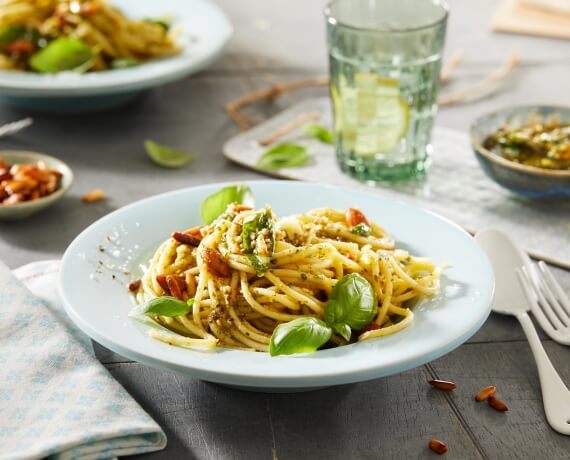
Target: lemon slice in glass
x=383 y=115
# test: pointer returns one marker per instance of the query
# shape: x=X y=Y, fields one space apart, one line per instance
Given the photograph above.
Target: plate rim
x=292 y=380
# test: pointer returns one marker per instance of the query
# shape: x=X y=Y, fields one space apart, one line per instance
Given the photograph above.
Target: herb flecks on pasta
x=251 y=280
x=50 y=36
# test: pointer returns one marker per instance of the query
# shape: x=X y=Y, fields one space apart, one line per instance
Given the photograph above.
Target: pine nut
x=438 y=446
x=443 y=385
x=484 y=393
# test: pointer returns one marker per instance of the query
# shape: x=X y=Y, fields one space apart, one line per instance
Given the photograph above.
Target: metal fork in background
x=549 y=304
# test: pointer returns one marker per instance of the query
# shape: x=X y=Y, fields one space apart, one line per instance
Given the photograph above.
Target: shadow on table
x=67 y=218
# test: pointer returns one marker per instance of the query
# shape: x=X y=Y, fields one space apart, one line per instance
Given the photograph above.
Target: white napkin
x=56 y=399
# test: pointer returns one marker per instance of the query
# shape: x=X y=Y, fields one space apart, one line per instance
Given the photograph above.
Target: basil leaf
x=8 y=34
x=259 y=263
x=123 y=63
x=361 y=229
x=263 y=220
x=62 y=54
x=302 y=335
x=167 y=157
x=283 y=156
x=167 y=306
x=215 y=204
x=353 y=302
x=163 y=22
x=343 y=330
x=320 y=133
x=247 y=234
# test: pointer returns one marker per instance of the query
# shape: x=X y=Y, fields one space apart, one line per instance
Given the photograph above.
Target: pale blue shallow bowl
x=93 y=288
x=205 y=30
x=524 y=180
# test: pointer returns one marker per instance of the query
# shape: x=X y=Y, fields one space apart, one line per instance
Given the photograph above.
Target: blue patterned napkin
x=56 y=399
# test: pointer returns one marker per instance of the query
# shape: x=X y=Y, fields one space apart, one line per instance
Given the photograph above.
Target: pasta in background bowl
x=51 y=36
x=102 y=260
x=198 y=33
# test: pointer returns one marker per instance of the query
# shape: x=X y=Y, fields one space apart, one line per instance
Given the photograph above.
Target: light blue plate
x=93 y=289
x=205 y=30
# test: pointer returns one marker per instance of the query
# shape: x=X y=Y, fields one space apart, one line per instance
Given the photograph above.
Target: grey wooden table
x=391 y=417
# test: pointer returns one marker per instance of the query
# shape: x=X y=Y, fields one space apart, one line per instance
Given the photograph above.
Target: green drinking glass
x=385 y=58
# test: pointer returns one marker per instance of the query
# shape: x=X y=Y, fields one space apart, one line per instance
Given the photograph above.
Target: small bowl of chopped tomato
x=30 y=182
x=526 y=149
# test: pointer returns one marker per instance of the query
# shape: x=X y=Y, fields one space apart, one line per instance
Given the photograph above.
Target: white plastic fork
x=549 y=304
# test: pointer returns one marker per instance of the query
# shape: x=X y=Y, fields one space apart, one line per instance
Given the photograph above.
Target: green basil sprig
x=167 y=306
x=263 y=220
x=361 y=229
x=9 y=34
x=352 y=305
x=61 y=54
x=320 y=133
x=165 y=22
x=302 y=335
x=215 y=204
x=283 y=156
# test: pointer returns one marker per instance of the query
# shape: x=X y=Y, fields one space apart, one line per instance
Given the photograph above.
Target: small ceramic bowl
x=524 y=180
x=27 y=208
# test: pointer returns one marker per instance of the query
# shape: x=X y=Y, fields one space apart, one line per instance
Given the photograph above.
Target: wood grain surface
x=389 y=418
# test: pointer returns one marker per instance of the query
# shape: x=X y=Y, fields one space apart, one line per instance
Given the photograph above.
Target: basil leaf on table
x=123 y=63
x=167 y=306
x=353 y=303
x=216 y=204
x=167 y=157
x=283 y=156
x=320 y=133
x=62 y=54
x=302 y=335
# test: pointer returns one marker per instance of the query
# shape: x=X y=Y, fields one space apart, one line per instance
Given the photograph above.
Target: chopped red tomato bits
x=20 y=46
x=356 y=216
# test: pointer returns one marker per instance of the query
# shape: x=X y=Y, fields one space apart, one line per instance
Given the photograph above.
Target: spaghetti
x=103 y=37
x=249 y=272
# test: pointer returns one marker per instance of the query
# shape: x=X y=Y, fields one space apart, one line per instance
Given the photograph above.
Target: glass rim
x=334 y=21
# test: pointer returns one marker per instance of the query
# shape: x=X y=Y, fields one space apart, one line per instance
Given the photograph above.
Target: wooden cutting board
x=519 y=17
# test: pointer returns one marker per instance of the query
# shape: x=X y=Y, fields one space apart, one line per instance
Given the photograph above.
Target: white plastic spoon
x=510 y=299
